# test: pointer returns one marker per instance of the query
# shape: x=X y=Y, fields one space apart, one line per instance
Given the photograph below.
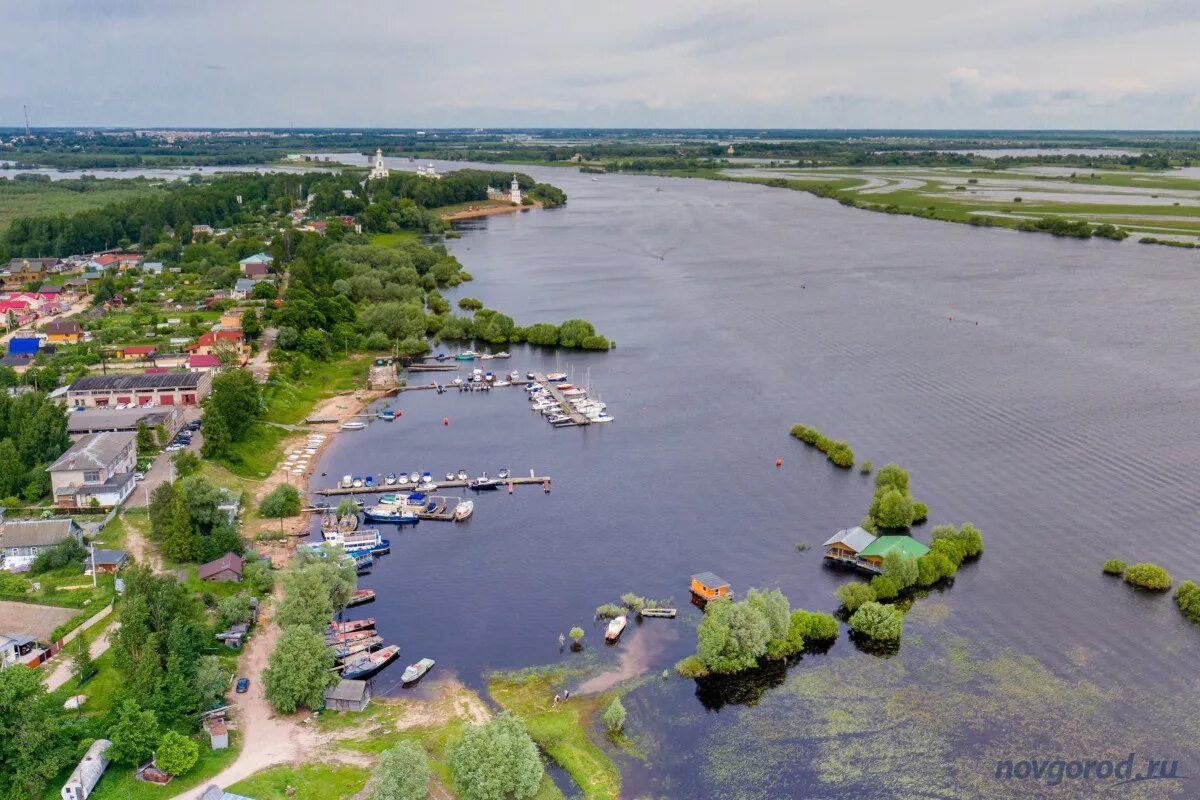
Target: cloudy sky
x=628 y=63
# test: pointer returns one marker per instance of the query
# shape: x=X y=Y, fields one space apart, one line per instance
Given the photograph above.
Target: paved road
x=161 y=469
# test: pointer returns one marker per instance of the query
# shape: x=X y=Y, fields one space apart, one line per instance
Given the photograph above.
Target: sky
x=1114 y=64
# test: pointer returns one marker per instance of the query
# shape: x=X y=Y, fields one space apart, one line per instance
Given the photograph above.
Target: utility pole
x=92 y=546
x=27 y=131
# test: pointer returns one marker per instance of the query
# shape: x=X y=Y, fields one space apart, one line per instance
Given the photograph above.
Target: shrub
x=1187 y=597
x=920 y=512
x=495 y=761
x=1114 y=566
x=877 y=621
x=691 y=667
x=866 y=467
x=1148 y=576
x=929 y=570
x=576 y=634
x=633 y=602
x=894 y=510
x=815 y=626
x=594 y=343
x=854 y=595
x=176 y=753
x=949 y=549
x=840 y=454
x=609 y=611
x=614 y=717
x=403 y=773
x=901 y=568
x=732 y=636
x=885 y=587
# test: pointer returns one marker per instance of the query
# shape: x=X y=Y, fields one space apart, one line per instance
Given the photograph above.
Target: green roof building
x=874 y=552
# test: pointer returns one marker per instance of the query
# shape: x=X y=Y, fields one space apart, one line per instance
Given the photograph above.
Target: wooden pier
x=432 y=367
x=443 y=510
x=515 y=480
x=575 y=418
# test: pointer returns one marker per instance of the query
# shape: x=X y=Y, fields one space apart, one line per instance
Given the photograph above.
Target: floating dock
x=455 y=484
x=575 y=418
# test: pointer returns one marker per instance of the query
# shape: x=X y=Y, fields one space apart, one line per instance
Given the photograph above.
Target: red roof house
x=203 y=362
x=226 y=568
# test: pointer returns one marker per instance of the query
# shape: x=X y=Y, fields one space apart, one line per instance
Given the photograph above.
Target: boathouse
x=348 y=695
x=845 y=545
x=872 y=555
x=708 y=586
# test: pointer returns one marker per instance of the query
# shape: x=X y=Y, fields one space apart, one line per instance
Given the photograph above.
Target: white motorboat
x=426 y=477
x=575 y=392
x=556 y=376
x=553 y=418
x=353 y=425
x=462 y=474
x=347 y=481
x=486 y=356
x=514 y=376
x=391 y=479
x=402 y=479
x=358 y=482
x=615 y=627
x=503 y=354
x=503 y=474
x=601 y=417
x=457 y=381
x=449 y=476
x=463 y=510
x=501 y=383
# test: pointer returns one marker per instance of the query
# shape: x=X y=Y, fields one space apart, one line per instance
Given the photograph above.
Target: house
x=198 y=230
x=85 y=777
x=872 y=555
x=25 y=346
x=129 y=260
x=164 y=388
x=50 y=289
x=18 y=364
x=102 y=420
x=708 y=586
x=258 y=261
x=108 y=562
x=104 y=261
x=14 y=647
x=213 y=342
x=218 y=733
x=214 y=792
x=96 y=470
x=21 y=541
x=845 y=545
x=152 y=267
x=25 y=270
x=348 y=695
x=226 y=568
x=65 y=332
x=231 y=321
x=242 y=288
x=136 y=352
x=203 y=363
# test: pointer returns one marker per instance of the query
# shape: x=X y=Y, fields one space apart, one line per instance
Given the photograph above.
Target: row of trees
x=735 y=636
x=315 y=589
x=837 y=451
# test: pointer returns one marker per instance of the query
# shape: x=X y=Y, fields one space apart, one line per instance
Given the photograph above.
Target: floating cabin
x=862 y=549
x=845 y=545
x=873 y=553
x=707 y=586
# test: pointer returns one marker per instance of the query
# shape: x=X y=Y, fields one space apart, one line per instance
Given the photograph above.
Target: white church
x=378 y=171
x=514 y=192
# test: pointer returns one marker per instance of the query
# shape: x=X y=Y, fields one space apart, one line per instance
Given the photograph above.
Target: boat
x=486 y=356
x=484 y=484
x=502 y=382
x=514 y=376
x=394 y=514
x=574 y=392
x=597 y=418
x=353 y=542
x=449 y=476
x=531 y=375
x=357 y=482
x=390 y=480
x=615 y=627
x=353 y=425
x=462 y=474
x=426 y=477
x=347 y=522
x=414 y=672
x=329 y=522
x=457 y=381
x=352 y=625
x=383 y=548
x=465 y=356
x=347 y=481
x=387 y=414
x=363 y=564
x=566 y=387
x=402 y=479
x=371 y=663
x=502 y=474
x=556 y=376
x=463 y=510
x=504 y=354
x=360 y=596
x=369 y=481
x=666 y=613
x=335 y=639
x=343 y=652
x=489 y=376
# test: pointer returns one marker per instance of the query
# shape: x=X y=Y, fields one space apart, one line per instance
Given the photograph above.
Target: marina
x=341 y=491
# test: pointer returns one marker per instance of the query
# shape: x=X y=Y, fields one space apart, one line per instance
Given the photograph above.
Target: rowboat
x=345 y=651
x=346 y=638
x=371 y=663
x=353 y=425
x=361 y=596
x=615 y=627
x=414 y=672
x=668 y=613
x=352 y=625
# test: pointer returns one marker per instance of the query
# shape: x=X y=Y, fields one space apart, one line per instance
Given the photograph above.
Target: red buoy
x=778 y=463
x=446 y=421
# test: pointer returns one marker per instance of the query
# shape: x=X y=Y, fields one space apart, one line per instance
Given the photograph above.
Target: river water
x=1043 y=389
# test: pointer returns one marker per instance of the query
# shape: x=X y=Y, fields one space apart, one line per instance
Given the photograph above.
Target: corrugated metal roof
x=164 y=380
x=710 y=580
x=94 y=451
x=855 y=538
x=905 y=544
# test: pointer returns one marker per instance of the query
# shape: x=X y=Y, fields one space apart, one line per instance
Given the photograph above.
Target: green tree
x=901 y=568
x=894 y=510
x=11 y=469
x=815 y=626
x=186 y=463
x=81 y=657
x=854 y=595
x=774 y=608
x=314 y=344
x=299 y=670
x=176 y=753
x=134 y=734
x=33 y=747
x=259 y=577
x=250 y=324
x=572 y=332
x=877 y=621
x=234 y=401
x=216 y=437
x=402 y=774
x=235 y=608
x=614 y=717
x=212 y=681
x=282 y=501
x=495 y=761
x=145 y=438
x=732 y=636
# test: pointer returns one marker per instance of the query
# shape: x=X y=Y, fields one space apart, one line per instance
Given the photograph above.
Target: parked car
x=243 y=685
x=139 y=476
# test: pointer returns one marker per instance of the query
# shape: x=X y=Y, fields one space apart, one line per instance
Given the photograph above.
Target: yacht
x=463 y=510
x=556 y=376
x=462 y=474
x=449 y=476
x=395 y=514
x=503 y=474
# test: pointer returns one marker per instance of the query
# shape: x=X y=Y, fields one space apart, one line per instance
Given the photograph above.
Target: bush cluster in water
x=1148 y=576
x=1187 y=597
x=1114 y=566
x=836 y=451
x=892 y=505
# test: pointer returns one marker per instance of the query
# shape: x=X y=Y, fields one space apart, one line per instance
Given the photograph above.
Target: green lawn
x=398 y=237
x=33 y=198
x=118 y=782
x=99 y=690
x=310 y=781
x=561 y=729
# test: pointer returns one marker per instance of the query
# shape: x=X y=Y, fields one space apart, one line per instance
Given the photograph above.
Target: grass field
x=310 y=781
x=391 y=239
x=1142 y=203
x=30 y=198
x=561 y=729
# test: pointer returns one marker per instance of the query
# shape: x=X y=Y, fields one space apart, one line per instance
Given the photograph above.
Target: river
x=1043 y=389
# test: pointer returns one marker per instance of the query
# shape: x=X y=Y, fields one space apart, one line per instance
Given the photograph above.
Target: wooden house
x=872 y=555
x=708 y=586
x=845 y=545
x=348 y=695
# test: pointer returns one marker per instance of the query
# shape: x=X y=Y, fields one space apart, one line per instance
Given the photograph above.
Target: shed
x=226 y=568
x=873 y=553
x=348 y=695
x=108 y=561
x=218 y=733
x=708 y=586
x=87 y=774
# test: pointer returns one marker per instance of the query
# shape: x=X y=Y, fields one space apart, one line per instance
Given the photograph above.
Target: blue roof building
x=24 y=347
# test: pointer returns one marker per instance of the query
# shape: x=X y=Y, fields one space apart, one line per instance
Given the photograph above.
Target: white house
x=99 y=466
x=87 y=774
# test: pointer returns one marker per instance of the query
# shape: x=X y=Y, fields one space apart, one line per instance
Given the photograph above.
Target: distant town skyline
x=1016 y=64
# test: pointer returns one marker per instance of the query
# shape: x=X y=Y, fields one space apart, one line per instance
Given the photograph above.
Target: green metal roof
x=906 y=544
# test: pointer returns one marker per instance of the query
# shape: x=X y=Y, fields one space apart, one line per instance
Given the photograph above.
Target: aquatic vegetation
x=1187 y=597
x=866 y=467
x=1114 y=566
x=609 y=611
x=892 y=505
x=877 y=621
x=853 y=595
x=885 y=587
x=633 y=602
x=1148 y=576
x=838 y=452
x=614 y=717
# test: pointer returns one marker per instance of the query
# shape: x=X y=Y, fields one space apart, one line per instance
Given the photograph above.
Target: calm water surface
x=1044 y=389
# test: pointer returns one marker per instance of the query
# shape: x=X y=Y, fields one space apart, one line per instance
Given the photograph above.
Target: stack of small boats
x=358 y=649
x=544 y=402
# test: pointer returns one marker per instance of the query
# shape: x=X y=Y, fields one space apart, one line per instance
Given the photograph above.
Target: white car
x=139 y=476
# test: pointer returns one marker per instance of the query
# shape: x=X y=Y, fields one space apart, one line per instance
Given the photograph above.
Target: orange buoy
x=510 y=487
x=546 y=487
x=778 y=463
x=446 y=421
x=399 y=413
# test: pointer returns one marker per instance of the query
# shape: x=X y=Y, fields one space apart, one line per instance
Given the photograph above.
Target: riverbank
x=486 y=208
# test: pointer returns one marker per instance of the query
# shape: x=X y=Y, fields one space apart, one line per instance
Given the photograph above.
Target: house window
x=91 y=476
